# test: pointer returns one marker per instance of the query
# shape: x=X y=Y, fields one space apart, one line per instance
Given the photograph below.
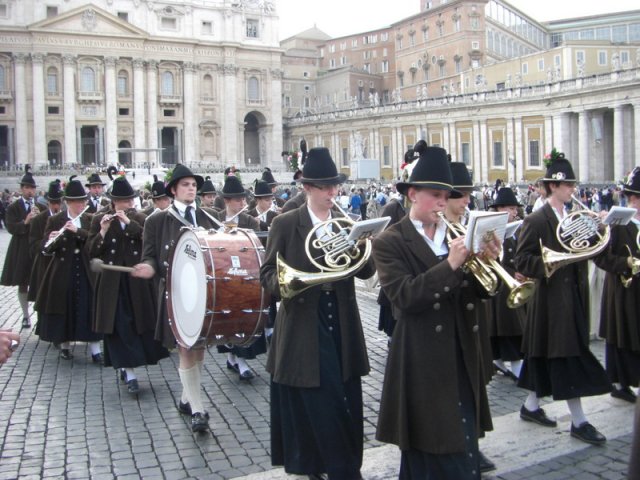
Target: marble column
x=139 y=133
x=152 y=112
x=484 y=160
x=548 y=135
x=71 y=153
x=229 y=113
x=635 y=160
x=276 y=115
x=510 y=150
x=39 y=123
x=519 y=149
x=618 y=144
x=446 y=143
x=22 y=126
x=191 y=132
x=476 y=157
x=111 y=130
x=561 y=132
x=583 y=146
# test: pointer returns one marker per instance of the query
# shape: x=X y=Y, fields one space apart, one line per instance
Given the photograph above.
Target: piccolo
x=52 y=240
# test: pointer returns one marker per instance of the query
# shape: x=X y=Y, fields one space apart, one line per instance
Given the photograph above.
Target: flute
x=52 y=240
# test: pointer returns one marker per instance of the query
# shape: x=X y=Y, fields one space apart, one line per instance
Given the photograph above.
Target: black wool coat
x=36 y=243
x=17 y=263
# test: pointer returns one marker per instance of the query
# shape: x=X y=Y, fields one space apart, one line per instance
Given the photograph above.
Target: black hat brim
x=631 y=191
x=337 y=180
x=403 y=187
x=234 y=194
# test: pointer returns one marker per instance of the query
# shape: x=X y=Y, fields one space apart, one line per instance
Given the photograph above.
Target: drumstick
x=98 y=265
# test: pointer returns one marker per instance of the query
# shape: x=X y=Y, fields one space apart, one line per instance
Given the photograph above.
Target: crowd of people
x=96 y=264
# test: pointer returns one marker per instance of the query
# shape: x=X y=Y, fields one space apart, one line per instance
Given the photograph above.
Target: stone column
x=561 y=132
x=583 y=146
x=635 y=160
x=71 y=152
x=276 y=118
x=154 y=158
x=229 y=113
x=453 y=142
x=39 y=124
x=519 y=149
x=484 y=160
x=510 y=150
x=22 y=126
x=618 y=143
x=446 y=143
x=111 y=130
x=477 y=159
x=191 y=132
x=139 y=140
x=548 y=135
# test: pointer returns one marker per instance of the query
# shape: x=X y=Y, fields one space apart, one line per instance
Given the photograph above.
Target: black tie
x=28 y=206
x=188 y=216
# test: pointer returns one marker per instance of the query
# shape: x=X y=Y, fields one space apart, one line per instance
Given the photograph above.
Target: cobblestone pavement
x=74 y=419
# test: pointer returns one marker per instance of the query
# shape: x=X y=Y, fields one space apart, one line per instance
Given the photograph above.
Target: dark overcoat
x=244 y=219
x=40 y=261
x=294 y=354
x=434 y=307
x=120 y=247
x=551 y=330
x=17 y=263
x=620 y=313
x=295 y=202
x=52 y=295
x=505 y=321
x=161 y=231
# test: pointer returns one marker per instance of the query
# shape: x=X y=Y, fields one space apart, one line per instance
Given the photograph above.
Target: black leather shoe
x=506 y=372
x=66 y=354
x=485 y=465
x=185 y=409
x=625 y=394
x=538 y=416
x=199 y=422
x=247 y=376
x=26 y=323
x=132 y=386
x=318 y=476
x=233 y=366
x=123 y=375
x=97 y=358
x=588 y=433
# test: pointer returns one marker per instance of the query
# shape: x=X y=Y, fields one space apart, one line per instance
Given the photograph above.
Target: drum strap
x=173 y=212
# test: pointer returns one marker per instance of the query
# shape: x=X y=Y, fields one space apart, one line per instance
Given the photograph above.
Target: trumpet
x=581 y=233
x=59 y=233
x=634 y=264
x=488 y=271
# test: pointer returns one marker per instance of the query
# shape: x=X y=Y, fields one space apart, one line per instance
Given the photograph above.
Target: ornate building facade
x=140 y=82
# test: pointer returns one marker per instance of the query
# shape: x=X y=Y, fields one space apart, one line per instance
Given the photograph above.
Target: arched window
x=167 y=83
x=123 y=83
x=52 y=80
x=253 y=88
x=2 y=82
x=88 y=80
x=207 y=86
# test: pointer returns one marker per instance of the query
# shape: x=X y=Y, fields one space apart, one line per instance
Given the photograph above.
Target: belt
x=327 y=287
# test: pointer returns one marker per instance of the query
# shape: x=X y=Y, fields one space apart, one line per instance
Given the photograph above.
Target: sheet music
x=483 y=225
x=619 y=215
x=367 y=228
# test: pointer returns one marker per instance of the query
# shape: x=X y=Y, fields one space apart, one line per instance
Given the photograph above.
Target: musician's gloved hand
x=143 y=270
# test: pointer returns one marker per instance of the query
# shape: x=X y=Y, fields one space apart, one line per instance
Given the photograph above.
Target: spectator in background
x=355 y=202
x=364 y=203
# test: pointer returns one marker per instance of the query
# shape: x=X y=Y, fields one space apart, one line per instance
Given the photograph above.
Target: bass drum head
x=188 y=289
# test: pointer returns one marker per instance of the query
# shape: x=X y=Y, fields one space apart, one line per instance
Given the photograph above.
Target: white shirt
x=439 y=244
x=182 y=208
x=321 y=233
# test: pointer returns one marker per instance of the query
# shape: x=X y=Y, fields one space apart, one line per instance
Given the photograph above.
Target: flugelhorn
x=581 y=233
x=59 y=233
x=342 y=258
x=634 y=264
x=487 y=271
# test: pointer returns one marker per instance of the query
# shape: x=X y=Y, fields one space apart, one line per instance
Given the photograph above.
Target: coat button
x=330 y=316
x=166 y=247
x=113 y=240
x=446 y=289
x=329 y=304
x=510 y=250
x=113 y=251
x=475 y=328
x=470 y=306
x=135 y=253
x=436 y=306
x=110 y=263
x=438 y=328
x=436 y=296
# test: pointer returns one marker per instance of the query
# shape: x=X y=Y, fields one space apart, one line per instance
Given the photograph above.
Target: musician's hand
x=491 y=250
x=30 y=216
x=143 y=270
x=53 y=235
x=520 y=277
x=8 y=343
x=71 y=226
x=458 y=253
x=122 y=216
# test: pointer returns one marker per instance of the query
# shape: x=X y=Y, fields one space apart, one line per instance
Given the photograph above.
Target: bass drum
x=213 y=288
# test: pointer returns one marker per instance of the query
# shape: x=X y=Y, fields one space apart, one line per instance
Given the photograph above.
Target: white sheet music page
x=482 y=226
x=619 y=215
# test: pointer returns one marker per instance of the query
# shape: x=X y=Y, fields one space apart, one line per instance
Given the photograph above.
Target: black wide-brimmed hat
x=157 y=189
x=55 y=192
x=262 y=189
x=267 y=176
x=633 y=182
x=233 y=188
x=207 y=187
x=94 y=179
x=506 y=197
x=430 y=171
x=559 y=169
x=27 y=179
x=461 y=179
x=74 y=189
x=180 y=172
x=319 y=168
x=121 y=189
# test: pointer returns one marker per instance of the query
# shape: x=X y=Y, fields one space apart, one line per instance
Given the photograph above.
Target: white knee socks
x=577 y=415
x=24 y=304
x=95 y=347
x=190 y=378
x=532 y=403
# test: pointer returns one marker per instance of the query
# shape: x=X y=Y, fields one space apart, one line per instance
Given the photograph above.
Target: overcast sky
x=345 y=17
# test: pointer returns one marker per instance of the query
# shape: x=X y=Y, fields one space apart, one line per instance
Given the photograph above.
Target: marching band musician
x=434 y=399
x=505 y=324
x=160 y=230
x=18 y=261
x=621 y=304
x=557 y=359
x=207 y=194
x=158 y=196
x=124 y=307
x=234 y=196
x=64 y=300
x=318 y=353
x=96 y=189
x=37 y=238
x=267 y=177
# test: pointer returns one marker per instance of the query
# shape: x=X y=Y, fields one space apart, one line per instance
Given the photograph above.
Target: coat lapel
x=416 y=244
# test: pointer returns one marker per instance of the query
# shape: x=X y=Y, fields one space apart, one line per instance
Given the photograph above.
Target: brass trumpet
x=581 y=233
x=634 y=264
x=488 y=271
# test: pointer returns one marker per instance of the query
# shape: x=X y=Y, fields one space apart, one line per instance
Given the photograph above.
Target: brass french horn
x=342 y=258
x=581 y=233
x=634 y=264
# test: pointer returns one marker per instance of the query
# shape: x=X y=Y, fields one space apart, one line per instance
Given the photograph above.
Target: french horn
x=342 y=258
x=582 y=235
x=634 y=264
